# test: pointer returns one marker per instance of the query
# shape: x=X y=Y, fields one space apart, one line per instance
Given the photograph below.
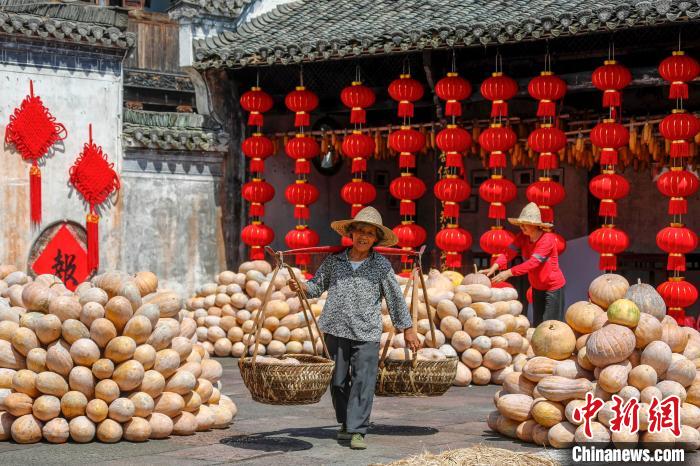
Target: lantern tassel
x=453 y=108
x=405 y=109
x=608 y=208
x=358 y=165
x=453 y=260
x=677 y=206
x=611 y=98
x=358 y=115
x=676 y=262
x=256 y=210
x=499 y=108
x=407 y=160
x=355 y=209
x=677 y=313
x=302 y=259
x=93 y=242
x=256 y=253
x=546 y=108
x=608 y=262
x=302 y=212
x=547 y=161
x=407 y=208
x=608 y=156
x=679 y=90
x=302 y=167
x=35 y=194
x=547 y=213
x=255 y=119
x=451 y=210
x=497 y=160
x=256 y=165
x=680 y=148
x=497 y=210
x=302 y=119
x=454 y=160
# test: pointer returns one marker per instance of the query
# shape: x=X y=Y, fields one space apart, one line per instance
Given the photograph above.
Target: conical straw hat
x=530 y=215
x=369 y=216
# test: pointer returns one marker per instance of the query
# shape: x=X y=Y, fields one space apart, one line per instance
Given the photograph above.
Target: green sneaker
x=358 y=442
x=343 y=434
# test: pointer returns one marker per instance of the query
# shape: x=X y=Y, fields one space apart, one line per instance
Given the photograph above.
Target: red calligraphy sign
x=626 y=415
x=665 y=415
x=64 y=257
x=588 y=412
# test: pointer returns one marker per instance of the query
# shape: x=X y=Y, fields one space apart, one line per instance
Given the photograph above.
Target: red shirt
x=541 y=261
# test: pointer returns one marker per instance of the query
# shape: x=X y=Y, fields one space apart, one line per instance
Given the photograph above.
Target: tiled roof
x=171 y=131
x=307 y=30
x=228 y=8
x=80 y=23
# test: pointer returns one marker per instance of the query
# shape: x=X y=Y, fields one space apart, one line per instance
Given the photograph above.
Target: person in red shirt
x=539 y=249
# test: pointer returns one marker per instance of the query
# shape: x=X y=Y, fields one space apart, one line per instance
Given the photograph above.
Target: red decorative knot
x=301 y=101
x=498 y=89
x=610 y=78
x=256 y=101
x=547 y=89
x=453 y=89
x=678 y=70
x=357 y=98
x=405 y=91
x=608 y=241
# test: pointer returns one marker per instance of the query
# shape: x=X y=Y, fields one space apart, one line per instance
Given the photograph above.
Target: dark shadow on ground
x=267 y=443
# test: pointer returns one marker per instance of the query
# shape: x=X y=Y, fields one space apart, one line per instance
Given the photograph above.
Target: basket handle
x=411 y=284
x=306 y=309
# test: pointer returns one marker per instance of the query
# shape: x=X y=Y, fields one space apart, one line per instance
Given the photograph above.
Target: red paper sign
x=64 y=257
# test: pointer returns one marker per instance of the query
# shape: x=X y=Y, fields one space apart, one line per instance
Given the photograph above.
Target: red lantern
x=496 y=241
x=678 y=128
x=406 y=139
x=560 y=242
x=452 y=89
x=257 y=147
x=454 y=241
x=611 y=78
x=358 y=193
x=257 y=234
x=302 y=148
x=301 y=194
x=546 y=194
x=405 y=91
x=407 y=188
x=359 y=147
x=357 y=97
x=547 y=138
x=547 y=88
x=609 y=187
x=609 y=136
x=678 y=293
x=497 y=191
x=453 y=139
x=608 y=241
x=498 y=89
x=497 y=139
x=678 y=184
x=451 y=191
x=679 y=69
x=256 y=101
x=301 y=237
x=677 y=240
x=410 y=235
x=301 y=101
x=257 y=192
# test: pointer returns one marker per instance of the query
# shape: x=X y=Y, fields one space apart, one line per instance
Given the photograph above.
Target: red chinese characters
x=588 y=412
x=665 y=414
x=626 y=415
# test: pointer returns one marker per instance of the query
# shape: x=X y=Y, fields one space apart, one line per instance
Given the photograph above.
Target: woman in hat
x=357 y=280
x=539 y=249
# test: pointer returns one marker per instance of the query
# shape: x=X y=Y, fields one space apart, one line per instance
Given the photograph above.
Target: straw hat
x=530 y=215
x=369 y=216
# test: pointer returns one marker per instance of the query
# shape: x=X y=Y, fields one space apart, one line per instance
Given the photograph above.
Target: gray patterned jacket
x=353 y=306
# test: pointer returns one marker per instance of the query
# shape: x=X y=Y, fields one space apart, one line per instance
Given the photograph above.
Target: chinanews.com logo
x=664 y=415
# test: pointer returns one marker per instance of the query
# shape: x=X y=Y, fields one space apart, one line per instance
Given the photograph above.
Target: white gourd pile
x=116 y=359
x=619 y=343
x=481 y=325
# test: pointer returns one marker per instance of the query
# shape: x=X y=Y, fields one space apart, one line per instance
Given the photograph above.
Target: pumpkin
x=607 y=289
x=524 y=430
x=647 y=299
x=649 y=393
x=24 y=340
x=556 y=388
x=506 y=426
x=138 y=328
x=46 y=407
x=538 y=368
x=471 y=358
x=121 y=410
x=10 y=358
x=103 y=368
x=167 y=362
x=97 y=410
x=72 y=330
x=642 y=376
x=496 y=359
x=571 y=407
x=461 y=341
x=143 y=404
x=447 y=308
x=184 y=424
x=161 y=426
x=553 y=339
x=657 y=440
x=540 y=435
x=481 y=376
x=91 y=312
x=463 y=377
x=623 y=312
x=82 y=429
x=624 y=439
x=475 y=327
x=450 y=325
x=128 y=375
x=515 y=407
x=146 y=355
x=26 y=429
x=600 y=435
x=497 y=376
x=50 y=383
x=547 y=413
x=516 y=383
x=84 y=352
x=102 y=331
x=690 y=415
x=476 y=279
x=561 y=435
x=107 y=390
x=73 y=404
x=606 y=413
x=478 y=292
x=689 y=439
x=48 y=328
x=614 y=377
x=147 y=282
x=657 y=354
x=56 y=431
x=681 y=370
x=669 y=387
x=24 y=381
x=693 y=394
x=648 y=329
x=137 y=430
x=675 y=337
x=612 y=343
x=109 y=431
x=571 y=370
x=581 y=315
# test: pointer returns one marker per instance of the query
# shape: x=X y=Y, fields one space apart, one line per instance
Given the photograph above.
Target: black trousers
x=547 y=305
x=354 y=380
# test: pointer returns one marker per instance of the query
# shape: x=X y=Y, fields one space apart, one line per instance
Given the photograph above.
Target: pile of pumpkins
x=115 y=359
x=480 y=324
x=618 y=343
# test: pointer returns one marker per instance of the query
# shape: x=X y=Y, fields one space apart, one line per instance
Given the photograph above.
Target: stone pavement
x=264 y=435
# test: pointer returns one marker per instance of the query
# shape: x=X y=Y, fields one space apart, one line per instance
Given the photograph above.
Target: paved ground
x=264 y=435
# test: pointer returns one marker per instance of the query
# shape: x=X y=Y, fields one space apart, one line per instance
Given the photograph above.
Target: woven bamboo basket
x=415 y=377
x=278 y=383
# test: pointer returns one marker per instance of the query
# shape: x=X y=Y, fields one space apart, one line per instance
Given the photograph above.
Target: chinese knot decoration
x=452 y=189
x=407 y=188
x=95 y=179
x=33 y=130
x=257 y=191
x=358 y=146
x=609 y=136
x=497 y=140
x=301 y=194
x=678 y=128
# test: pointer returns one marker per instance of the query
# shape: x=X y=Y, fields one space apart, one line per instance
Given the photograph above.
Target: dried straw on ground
x=477 y=456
